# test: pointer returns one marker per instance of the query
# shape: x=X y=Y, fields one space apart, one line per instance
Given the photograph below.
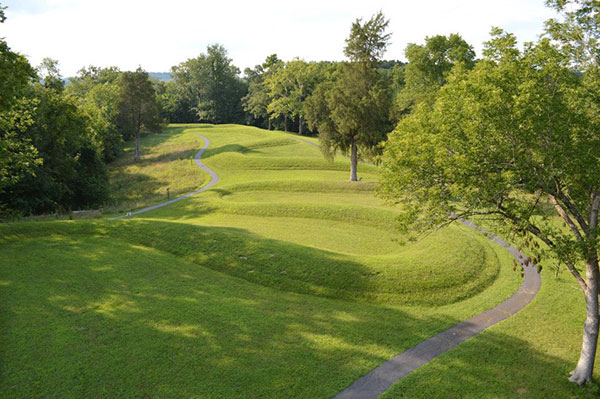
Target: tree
x=351 y=114
x=428 y=68
x=72 y=175
x=258 y=98
x=138 y=106
x=96 y=92
x=49 y=72
x=18 y=157
x=210 y=86
x=289 y=86
x=506 y=142
x=578 y=36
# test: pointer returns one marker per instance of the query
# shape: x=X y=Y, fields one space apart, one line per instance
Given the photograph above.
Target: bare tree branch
x=573 y=210
x=577 y=275
x=565 y=217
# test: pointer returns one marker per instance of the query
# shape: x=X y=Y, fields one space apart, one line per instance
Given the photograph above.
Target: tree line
x=57 y=138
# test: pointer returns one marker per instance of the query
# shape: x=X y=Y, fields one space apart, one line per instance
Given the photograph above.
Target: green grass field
x=284 y=280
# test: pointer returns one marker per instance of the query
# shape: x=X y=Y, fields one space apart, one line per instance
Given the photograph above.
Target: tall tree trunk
x=353 y=162
x=136 y=156
x=285 y=123
x=585 y=365
x=300 y=125
x=269 y=124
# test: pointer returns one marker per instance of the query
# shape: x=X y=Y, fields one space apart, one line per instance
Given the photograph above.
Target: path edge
x=214 y=178
x=380 y=379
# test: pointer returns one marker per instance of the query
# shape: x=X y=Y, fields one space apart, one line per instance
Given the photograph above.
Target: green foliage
x=15 y=73
x=138 y=107
x=352 y=111
x=502 y=140
x=49 y=72
x=368 y=41
x=177 y=101
x=209 y=86
x=72 y=175
x=578 y=33
x=257 y=100
x=97 y=93
x=428 y=68
x=289 y=85
x=18 y=157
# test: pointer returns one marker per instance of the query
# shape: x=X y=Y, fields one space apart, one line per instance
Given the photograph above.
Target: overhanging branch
x=565 y=217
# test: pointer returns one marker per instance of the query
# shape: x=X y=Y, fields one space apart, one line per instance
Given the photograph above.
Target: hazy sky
x=160 y=34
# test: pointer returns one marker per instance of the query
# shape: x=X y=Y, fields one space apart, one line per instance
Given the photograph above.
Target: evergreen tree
x=351 y=114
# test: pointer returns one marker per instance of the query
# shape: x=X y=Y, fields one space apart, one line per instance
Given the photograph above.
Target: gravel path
x=214 y=178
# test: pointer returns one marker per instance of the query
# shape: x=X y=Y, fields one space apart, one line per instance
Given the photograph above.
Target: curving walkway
x=384 y=376
x=214 y=178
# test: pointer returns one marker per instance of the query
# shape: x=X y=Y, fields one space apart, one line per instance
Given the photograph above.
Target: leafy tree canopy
x=210 y=85
x=428 y=68
x=509 y=140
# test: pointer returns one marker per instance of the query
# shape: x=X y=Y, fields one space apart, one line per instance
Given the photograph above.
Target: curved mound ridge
x=276 y=188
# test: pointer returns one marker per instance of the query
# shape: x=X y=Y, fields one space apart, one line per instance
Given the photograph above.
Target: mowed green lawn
x=284 y=280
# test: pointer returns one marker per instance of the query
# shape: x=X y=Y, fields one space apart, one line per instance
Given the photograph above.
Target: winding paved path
x=383 y=377
x=214 y=178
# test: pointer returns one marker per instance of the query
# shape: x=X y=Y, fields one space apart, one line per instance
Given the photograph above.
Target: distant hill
x=164 y=76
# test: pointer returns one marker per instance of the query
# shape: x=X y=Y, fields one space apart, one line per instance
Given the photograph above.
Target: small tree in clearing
x=353 y=111
x=138 y=106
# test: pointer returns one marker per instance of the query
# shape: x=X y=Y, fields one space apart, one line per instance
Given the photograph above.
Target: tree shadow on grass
x=88 y=314
x=131 y=190
x=494 y=365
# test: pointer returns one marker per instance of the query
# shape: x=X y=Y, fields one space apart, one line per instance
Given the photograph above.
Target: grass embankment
x=281 y=281
x=277 y=187
x=165 y=163
x=94 y=309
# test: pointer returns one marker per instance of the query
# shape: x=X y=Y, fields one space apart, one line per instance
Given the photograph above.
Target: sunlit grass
x=90 y=310
x=166 y=163
x=283 y=280
x=276 y=186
